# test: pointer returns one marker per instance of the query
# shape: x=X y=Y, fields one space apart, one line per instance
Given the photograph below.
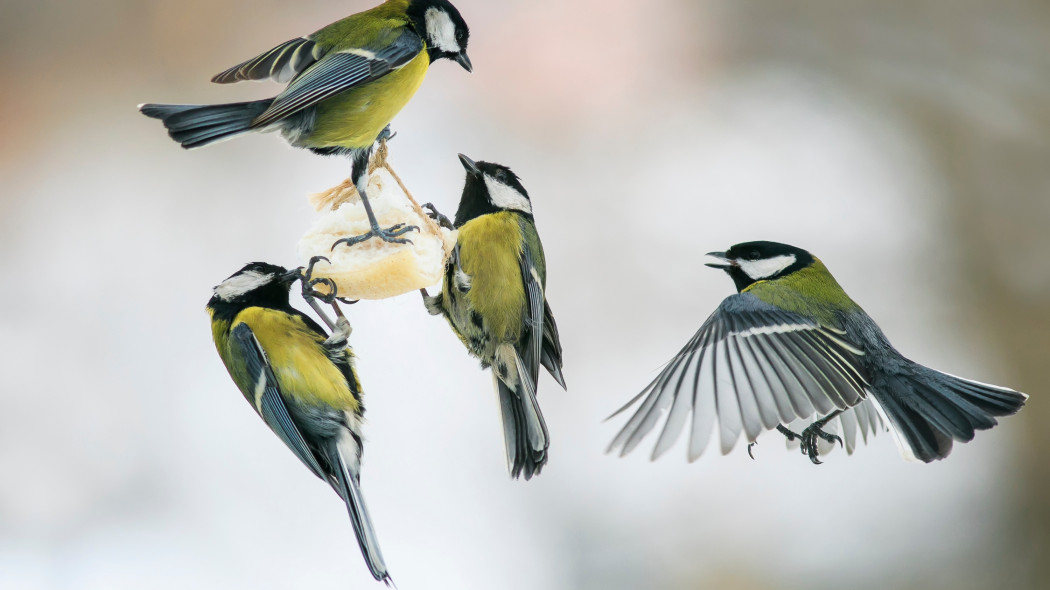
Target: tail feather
x=524 y=429
x=929 y=410
x=346 y=483
x=199 y=125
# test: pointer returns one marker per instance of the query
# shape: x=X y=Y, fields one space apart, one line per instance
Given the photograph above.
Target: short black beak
x=469 y=165
x=291 y=276
x=463 y=60
x=720 y=260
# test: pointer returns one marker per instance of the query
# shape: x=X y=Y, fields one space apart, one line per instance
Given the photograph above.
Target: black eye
x=460 y=35
x=754 y=255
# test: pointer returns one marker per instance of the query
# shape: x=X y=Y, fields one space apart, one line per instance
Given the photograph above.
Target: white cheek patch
x=236 y=286
x=441 y=32
x=506 y=197
x=763 y=269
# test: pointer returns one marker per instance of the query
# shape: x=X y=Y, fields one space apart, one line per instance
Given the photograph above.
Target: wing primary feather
x=775 y=386
x=824 y=400
x=768 y=405
x=677 y=417
x=746 y=398
x=797 y=394
x=704 y=410
x=643 y=421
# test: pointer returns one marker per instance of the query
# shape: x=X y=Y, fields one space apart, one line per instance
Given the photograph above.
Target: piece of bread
x=375 y=269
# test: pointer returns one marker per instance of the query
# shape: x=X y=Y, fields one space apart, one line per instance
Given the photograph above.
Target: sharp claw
x=749 y=447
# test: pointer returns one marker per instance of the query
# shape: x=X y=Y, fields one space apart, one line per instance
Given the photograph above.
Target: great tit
x=345 y=84
x=301 y=381
x=792 y=345
x=492 y=295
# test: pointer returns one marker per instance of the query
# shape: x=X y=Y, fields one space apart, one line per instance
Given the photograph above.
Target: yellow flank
x=353 y=119
x=299 y=362
x=490 y=248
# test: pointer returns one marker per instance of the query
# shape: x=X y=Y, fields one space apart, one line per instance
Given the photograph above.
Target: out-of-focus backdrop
x=905 y=143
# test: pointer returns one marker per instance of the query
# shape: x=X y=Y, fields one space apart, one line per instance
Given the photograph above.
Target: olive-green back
x=811 y=292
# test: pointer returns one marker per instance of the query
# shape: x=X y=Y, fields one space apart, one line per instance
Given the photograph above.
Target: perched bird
x=790 y=345
x=493 y=297
x=301 y=381
x=345 y=84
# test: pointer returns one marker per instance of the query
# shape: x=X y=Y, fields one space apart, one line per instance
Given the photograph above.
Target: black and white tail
x=198 y=125
x=346 y=484
x=929 y=410
x=524 y=429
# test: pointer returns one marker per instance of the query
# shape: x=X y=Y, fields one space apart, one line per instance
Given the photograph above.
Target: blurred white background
x=905 y=143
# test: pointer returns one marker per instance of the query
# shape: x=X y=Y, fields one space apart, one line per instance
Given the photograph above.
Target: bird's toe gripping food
x=376 y=269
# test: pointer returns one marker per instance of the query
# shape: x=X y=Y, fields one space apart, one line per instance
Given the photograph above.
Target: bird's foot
x=386 y=135
x=310 y=283
x=330 y=294
x=391 y=234
x=812 y=435
x=436 y=215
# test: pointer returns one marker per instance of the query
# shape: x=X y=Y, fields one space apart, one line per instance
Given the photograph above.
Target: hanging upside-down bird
x=493 y=297
x=790 y=345
x=345 y=84
x=301 y=381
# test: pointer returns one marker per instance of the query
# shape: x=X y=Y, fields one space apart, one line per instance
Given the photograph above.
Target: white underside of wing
x=751 y=381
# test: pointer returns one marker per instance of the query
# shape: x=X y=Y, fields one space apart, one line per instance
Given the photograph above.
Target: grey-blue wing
x=530 y=348
x=282 y=63
x=551 y=358
x=267 y=397
x=337 y=72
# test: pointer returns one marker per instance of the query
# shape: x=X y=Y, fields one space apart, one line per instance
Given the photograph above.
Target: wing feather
x=337 y=72
x=280 y=63
x=268 y=400
x=750 y=367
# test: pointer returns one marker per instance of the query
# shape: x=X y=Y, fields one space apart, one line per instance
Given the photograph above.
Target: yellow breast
x=299 y=362
x=355 y=118
x=490 y=249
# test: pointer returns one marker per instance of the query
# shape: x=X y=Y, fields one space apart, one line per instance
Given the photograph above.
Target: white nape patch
x=507 y=197
x=763 y=269
x=441 y=31
x=242 y=283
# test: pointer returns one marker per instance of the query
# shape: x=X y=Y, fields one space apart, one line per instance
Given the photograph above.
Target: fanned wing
x=750 y=367
x=340 y=71
x=282 y=63
x=266 y=395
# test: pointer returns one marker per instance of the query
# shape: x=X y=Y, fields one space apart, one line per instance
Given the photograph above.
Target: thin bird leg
x=311 y=295
x=391 y=234
x=340 y=332
x=815 y=431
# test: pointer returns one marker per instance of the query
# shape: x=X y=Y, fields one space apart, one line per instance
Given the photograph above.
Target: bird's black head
x=257 y=284
x=490 y=188
x=445 y=31
x=751 y=262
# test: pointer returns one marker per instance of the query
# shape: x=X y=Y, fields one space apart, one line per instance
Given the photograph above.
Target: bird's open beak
x=291 y=276
x=469 y=165
x=463 y=60
x=719 y=260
